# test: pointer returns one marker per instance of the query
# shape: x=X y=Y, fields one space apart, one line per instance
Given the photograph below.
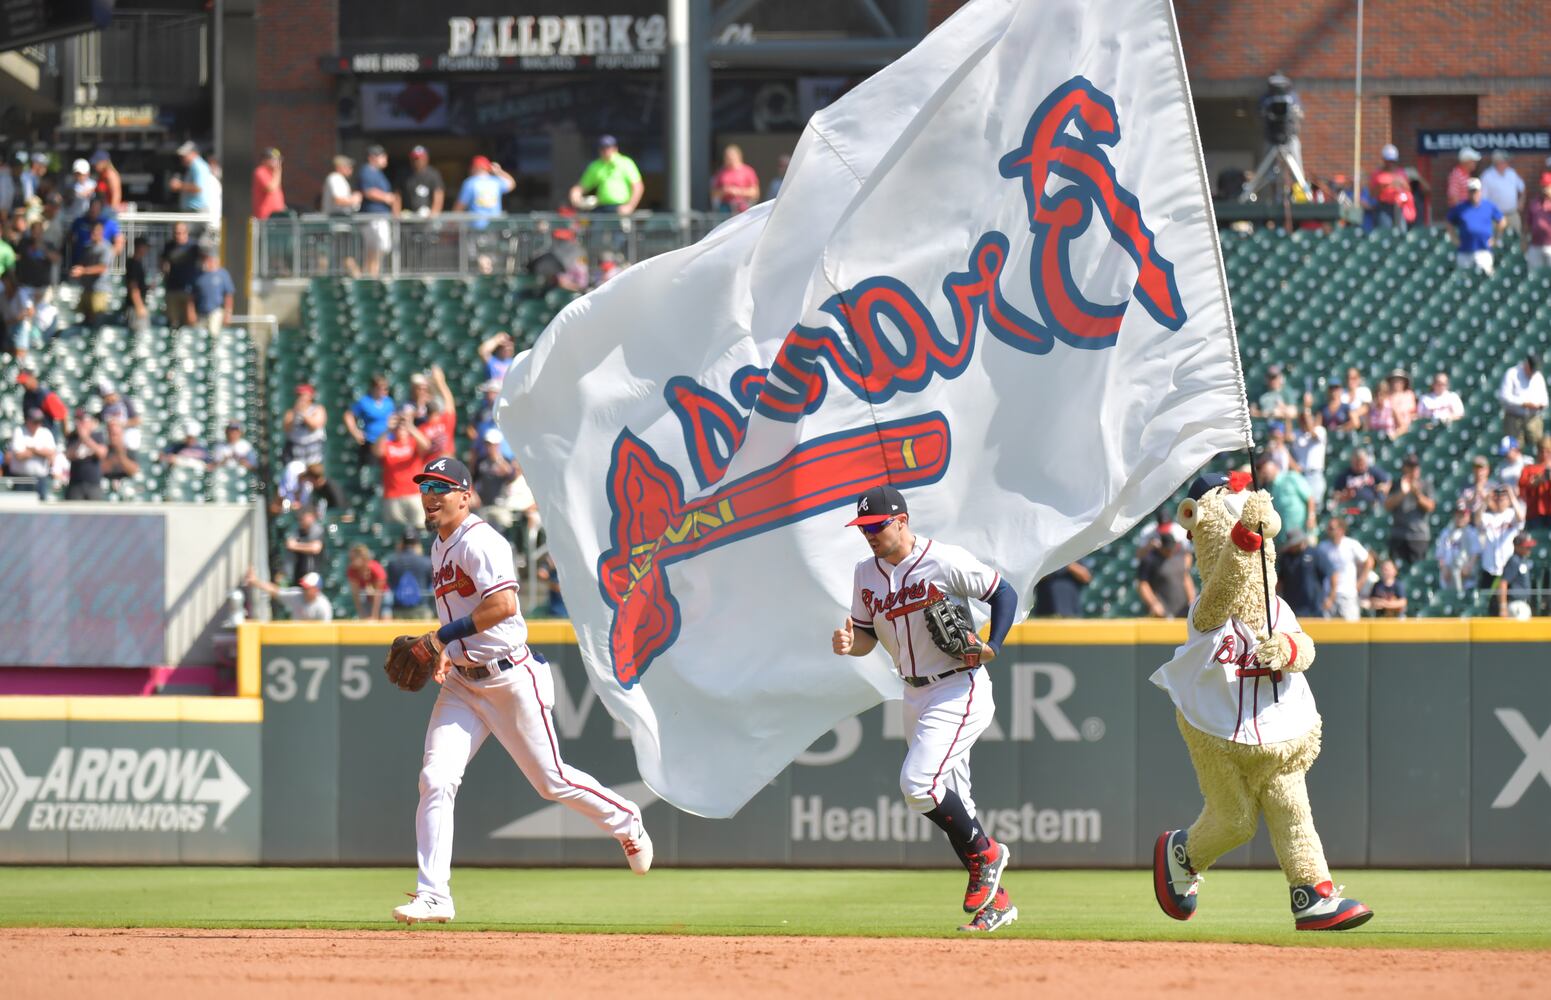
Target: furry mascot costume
x=1245 y=711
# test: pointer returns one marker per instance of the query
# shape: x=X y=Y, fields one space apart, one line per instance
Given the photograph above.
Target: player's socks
x=964 y=831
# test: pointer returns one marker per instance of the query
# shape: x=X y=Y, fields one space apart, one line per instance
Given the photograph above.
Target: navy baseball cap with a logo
x=877 y=505
x=445 y=470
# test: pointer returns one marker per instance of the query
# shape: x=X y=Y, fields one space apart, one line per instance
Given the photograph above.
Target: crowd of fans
x=1480 y=542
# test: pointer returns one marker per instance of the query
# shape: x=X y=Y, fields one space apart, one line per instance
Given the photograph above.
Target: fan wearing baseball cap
x=1476 y=223
x=483 y=190
x=611 y=184
x=895 y=594
x=1537 y=252
x=423 y=191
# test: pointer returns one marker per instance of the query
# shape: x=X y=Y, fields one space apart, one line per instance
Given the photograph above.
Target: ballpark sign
x=990 y=280
x=121 y=790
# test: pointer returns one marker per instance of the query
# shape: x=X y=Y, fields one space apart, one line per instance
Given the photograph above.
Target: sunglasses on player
x=873 y=529
x=438 y=487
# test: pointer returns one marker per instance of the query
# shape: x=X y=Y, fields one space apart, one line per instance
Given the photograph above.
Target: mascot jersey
x=1220 y=689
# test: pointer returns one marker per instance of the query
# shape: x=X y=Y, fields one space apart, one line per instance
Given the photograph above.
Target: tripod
x=1283 y=160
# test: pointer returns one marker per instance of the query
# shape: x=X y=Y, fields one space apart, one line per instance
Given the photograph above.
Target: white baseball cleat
x=424 y=909
x=638 y=849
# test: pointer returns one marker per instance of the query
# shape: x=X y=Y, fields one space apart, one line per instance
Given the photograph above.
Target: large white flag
x=991 y=279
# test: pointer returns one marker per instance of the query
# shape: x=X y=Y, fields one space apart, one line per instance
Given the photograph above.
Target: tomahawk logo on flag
x=991 y=280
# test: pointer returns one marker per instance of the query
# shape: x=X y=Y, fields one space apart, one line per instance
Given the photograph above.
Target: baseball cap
x=1274 y=369
x=493 y=436
x=21 y=156
x=40 y=158
x=1412 y=459
x=305 y=387
x=1481 y=462
x=1526 y=540
x=1468 y=155
x=192 y=428
x=877 y=505
x=106 y=388
x=480 y=163
x=418 y=378
x=1389 y=154
x=34 y=414
x=410 y=535
x=1545 y=179
x=375 y=150
x=101 y=156
x=1474 y=184
x=80 y=167
x=419 y=151
x=605 y=141
x=311 y=581
x=1208 y=481
x=1498 y=156
x=188 y=148
x=272 y=153
x=445 y=470
x=1507 y=444
x=233 y=425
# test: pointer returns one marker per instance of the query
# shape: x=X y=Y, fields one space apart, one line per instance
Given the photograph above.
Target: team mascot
x=1245 y=711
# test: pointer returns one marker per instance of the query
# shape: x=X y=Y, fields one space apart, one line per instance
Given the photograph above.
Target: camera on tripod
x=1280 y=110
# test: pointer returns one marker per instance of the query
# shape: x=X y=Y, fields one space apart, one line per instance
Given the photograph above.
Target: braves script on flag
x=991 y=280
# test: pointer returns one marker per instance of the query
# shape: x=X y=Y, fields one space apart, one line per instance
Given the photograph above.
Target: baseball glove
x=952 y=631
x=412 y=660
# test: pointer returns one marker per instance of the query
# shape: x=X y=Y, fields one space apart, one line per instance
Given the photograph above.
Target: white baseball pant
x=942 y=722
x=514 y=705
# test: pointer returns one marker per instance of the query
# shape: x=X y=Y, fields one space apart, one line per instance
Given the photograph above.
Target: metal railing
x=330 y=246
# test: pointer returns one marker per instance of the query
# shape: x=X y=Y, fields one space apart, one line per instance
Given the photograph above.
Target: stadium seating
x=1315 y=301
x=355 y=328
x=174 y=378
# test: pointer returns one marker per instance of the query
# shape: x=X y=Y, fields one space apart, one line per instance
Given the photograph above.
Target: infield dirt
x=154 y=964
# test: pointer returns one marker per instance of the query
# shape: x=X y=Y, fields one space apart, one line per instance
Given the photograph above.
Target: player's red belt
x=921 y=682
x=1275 y=675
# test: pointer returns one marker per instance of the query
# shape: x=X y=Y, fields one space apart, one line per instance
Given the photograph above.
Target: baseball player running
x=903 y=596
x=492 y=684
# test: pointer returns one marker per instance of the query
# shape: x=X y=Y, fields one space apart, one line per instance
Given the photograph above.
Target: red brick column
x=296 y=99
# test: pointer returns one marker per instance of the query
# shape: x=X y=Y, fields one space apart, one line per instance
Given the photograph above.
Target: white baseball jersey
x=888 y=599
x=473 y=563
x=1203 y=680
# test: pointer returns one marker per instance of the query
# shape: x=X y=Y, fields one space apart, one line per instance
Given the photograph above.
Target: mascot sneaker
x=1322 y=908
x=424 y=909
x=985 y=876
x=998 y=913
x=1174 y=882
x=638 y=850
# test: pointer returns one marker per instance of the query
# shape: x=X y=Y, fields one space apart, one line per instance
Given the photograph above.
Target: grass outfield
x=1463 y=909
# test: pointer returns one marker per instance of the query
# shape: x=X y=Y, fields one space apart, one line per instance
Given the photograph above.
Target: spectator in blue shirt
x=483 y=190
x=367 y=420
x=81 y=230
x=196 y=188
x=378 y=202
x=1475 y=223
x=213 y=294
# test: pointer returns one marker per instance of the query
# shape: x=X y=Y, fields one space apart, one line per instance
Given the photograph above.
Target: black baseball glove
x=952 y=631
x=412 y=660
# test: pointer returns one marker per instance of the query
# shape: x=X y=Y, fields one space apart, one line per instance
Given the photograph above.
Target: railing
x=156 y=229
x=313 y=246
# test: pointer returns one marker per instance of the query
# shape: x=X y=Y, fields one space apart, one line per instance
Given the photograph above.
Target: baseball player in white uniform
x=492 y=684
x=948 y=700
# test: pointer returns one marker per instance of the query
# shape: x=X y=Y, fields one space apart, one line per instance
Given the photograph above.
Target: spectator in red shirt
x=1535 y=488
x=1460 y=176
x=268 y=199
x=1390 y=189
x=402 y=452
x=38 y=396
x=734 y=187
x=1538 y=253
x=368 y=582
x=440 y=423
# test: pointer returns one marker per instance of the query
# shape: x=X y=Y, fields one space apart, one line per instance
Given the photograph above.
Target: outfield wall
x=1437 y=754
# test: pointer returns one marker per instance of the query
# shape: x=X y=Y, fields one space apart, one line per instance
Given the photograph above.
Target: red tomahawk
x=652 y=526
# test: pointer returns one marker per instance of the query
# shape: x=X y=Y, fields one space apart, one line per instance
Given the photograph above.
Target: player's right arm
x=853 y=639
